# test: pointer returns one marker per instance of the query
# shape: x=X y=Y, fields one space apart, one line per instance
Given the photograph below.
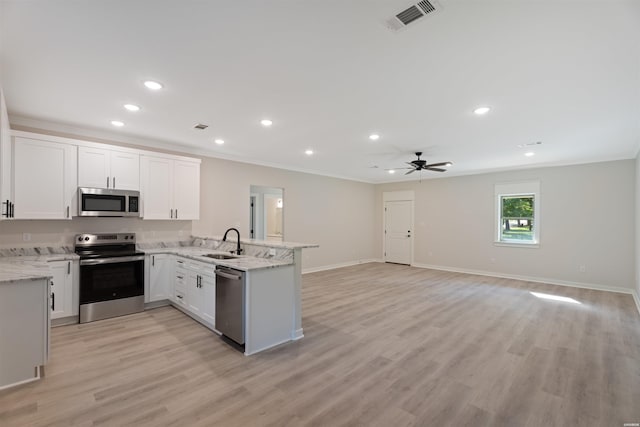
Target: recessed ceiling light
x=117 y=123
x=529 y=154
x=374 y=137
x=219 y=141
x=391 y=171
x=150 y=84
x=131 y=107
x=309 y=152
x=481 y=110
x=266 y=122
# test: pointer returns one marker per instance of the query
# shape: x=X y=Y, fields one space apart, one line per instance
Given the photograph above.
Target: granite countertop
x=29 y=267
x=242 y=262
x=285 y=245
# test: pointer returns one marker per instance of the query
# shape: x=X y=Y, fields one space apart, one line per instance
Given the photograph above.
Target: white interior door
x=398 y=216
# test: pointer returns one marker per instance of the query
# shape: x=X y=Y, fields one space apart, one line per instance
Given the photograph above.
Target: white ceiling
x=328 y=73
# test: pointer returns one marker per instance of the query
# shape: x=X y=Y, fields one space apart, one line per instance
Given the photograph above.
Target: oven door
x=105 y=279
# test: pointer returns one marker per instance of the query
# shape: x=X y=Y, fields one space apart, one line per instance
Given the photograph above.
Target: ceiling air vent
x=200 y=126
x=412 y=14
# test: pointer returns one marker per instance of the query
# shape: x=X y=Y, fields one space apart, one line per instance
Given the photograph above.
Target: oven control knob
x=131 y=237
x=126 y=237
x=80 y=239
x=86 y=239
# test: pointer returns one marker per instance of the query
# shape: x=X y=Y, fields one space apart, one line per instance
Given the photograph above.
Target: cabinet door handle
x=69 y=267
x=11 y=205
x=6 y=214
x=114 y=182
x=53 y=300
x=171 y=213
x=180 y=277
x=198 y=281
x=153 y=261
x=67 y=211
x=179 y=296
x=107 y=182
x=176 y=213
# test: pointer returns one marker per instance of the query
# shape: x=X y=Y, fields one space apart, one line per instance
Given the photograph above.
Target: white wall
x=587 y=218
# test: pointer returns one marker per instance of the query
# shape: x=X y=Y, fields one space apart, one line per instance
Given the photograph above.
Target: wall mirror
x=266 y=213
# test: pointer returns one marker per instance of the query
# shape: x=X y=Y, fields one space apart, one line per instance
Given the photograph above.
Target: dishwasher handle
x=226 y=275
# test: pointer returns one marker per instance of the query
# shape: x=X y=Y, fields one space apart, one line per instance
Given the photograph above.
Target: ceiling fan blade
x=436 y=169
x=395 y=169
x=411 y=171
x=439 y=164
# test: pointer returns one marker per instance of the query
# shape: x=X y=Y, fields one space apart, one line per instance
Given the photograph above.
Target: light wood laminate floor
x=384 y=345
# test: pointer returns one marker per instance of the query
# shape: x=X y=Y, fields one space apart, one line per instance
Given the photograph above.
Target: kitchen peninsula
x=273 y=305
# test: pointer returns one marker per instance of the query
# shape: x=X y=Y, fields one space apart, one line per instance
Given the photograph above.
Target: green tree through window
x=517 y=217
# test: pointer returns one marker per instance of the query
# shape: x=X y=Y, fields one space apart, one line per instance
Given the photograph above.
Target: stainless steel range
x=111 y=275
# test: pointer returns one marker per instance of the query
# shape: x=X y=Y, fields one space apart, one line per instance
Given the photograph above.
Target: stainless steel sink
x=220 y=256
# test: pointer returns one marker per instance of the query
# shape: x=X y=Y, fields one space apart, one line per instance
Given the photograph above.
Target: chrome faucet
x=224 y=239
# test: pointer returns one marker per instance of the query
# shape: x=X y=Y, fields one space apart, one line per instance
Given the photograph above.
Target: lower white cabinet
x=160 y=275
x=61 y=288
x=194 y=289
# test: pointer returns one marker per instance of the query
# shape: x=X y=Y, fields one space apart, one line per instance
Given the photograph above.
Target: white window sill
x=517 y=245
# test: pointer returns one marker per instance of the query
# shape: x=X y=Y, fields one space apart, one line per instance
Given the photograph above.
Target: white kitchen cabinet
x=160 y=277
x=5 y=160
x=44 y=179
x=61 y=287
x=105 y=168
x=186 y=190
x=195 y=289
x=170 y=188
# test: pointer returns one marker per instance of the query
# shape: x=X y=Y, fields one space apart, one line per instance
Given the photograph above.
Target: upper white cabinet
x=104 y=168
x=170 y=188
x=44 y=179
x=5 y=160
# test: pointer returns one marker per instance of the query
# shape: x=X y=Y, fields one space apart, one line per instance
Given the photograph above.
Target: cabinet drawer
x=180 y=297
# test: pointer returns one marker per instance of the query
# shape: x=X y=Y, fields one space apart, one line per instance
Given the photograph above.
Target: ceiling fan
x=419 y=165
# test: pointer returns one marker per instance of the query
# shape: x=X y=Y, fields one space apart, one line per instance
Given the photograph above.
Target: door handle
x=114 y=182
x=53 y=300
x=107 y=182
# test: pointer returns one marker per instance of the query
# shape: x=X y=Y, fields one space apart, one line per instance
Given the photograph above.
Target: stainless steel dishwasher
x=230 y=303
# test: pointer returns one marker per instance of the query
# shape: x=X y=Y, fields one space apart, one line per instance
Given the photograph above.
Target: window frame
x=517 y=189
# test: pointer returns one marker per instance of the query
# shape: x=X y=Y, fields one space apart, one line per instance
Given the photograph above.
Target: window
x=517 y=213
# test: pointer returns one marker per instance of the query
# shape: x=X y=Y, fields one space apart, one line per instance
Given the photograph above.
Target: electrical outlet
x=272 y=252
x=26 y=237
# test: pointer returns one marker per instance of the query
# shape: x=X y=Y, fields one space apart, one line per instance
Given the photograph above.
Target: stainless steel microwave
x=105 y=202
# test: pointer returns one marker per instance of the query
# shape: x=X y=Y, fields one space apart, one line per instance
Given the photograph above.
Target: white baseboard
x=340 y=265
x=535 y=279
x=636 y=298
x=297 y=334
